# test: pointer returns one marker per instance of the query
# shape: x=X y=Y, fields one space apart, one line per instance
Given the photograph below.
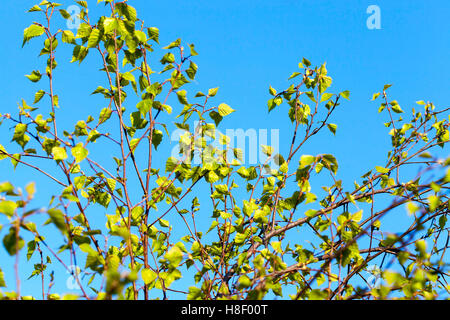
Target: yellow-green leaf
x=59 y=153
x=148 y=276
x=79 y=152
x=225 y=109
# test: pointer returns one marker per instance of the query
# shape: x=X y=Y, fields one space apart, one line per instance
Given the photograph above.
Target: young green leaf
x=35 y=76
x=345 y=94
x=79 y=152
x=31 y=32
x=225 y=109
x=59 y=153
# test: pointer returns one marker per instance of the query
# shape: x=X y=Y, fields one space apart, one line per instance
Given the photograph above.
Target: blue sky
x=246 y=46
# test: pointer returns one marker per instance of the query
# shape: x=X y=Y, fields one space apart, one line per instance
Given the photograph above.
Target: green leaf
x=12 y=242
x=57 y=218
x=194 y=293
x=110 y=24
x=171 y=164
x=243 y=172
x=38 y=96
x=19 y=134
x=59 y=153
x=271 y=104
x=276 y=245
x=222 y=188
x=134 y=144
x=323 y=69
x=357 y=216
x=212 y=177
x=293 y=75
x=272 y=91
x=31 y=247
x=212 y=92
x=35 y=8
x=434 y=202
x=192 y=70
x=244 y=282
x=174 y=256
x=35 y=76
x=395 y=107
x=181 y=94
x=306 y=160
x=127 y=11
x=224 y=109
x=83 y=4
x=332 y=127
x=421 y=246
x=148 y=276
x=84 y=30
x=2 y=279
x=8 y=188
x=310 y=95
x=326 y=96
x=267 y=150
x=8 y=207
x=192 y=49
x=375 y=96
x=330 y=162
x=442 y=222
x=306 y=62
x=137 y=121
x=278 y=100
x=153 y=34
x=168 y=58
x=167 y=108
x=31 y=32
x=93 y=136
x=310 y=213
x=66 y=15
x=317 y=294
x=163 y=223
x=141 y=36
x=325 y=83
x=216 y=117
x=144 y=106
x=345 y=94
x=79 y=53
x=79 y=152
x=68 y=37
x=30 y=189
x=157 y=138
x=284 y=167
x=174 y=44
x=381 y=169
x=105 y=114
x=3 y=153
x=94 y=38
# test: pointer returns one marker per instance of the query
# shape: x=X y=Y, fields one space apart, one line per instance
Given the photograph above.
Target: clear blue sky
x=246 y=46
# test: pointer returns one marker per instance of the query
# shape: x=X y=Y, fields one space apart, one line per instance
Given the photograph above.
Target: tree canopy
x=128 y=228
